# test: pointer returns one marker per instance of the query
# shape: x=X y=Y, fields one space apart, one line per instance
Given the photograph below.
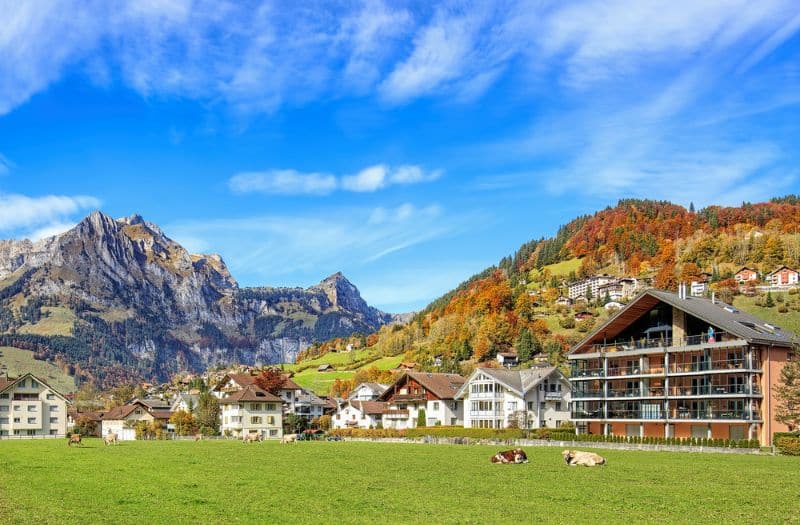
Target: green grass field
x=358 y=482
x=21 y=361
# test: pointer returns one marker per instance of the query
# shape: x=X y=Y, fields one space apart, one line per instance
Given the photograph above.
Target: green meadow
x=44 y=481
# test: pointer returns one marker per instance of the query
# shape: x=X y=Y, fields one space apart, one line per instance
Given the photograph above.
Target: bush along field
x=44 y=481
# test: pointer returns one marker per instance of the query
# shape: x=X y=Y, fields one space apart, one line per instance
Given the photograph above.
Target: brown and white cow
x=111 y=439
x=574 y=458
x=74 y=439
x=516 y=456
x=251 y=438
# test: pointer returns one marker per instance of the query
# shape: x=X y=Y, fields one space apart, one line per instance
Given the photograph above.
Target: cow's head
x=568 y=455
x=520 y=456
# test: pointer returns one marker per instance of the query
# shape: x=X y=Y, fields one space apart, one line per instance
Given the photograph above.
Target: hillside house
x=325 y=368
x=120 y=420
x=185 y=401
x=360 y=414
x=672 y=365
x=745 y=275
x=31 y=407
x=584 y=287
x=698 y=288
x=783 y=276
x=252 y=410
x=367 y=392
x=429 y=393
x=508 y=359
x=533 y=398
x=294 y=398
x=96 y=417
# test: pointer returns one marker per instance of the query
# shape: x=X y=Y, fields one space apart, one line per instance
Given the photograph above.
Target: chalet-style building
x=508 y=358
x=745 y=275
x=367 y=392
x=361 y=414
x=533 y=398
x=783 y=276
x=120 y=420
x=294 y=398
x=414 y=392
x=252 y=410
x=31 y=407
x=95 y=416
x=670 y=365
x=186 y=401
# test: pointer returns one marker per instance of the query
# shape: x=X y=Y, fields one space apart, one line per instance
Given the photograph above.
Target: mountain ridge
x=156 y=307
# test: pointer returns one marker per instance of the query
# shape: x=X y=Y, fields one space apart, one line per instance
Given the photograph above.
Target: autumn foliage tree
x=788 y=394
x=270 y=379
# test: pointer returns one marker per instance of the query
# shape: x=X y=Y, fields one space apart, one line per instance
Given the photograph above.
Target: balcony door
x=699 y=363
x=699 y=385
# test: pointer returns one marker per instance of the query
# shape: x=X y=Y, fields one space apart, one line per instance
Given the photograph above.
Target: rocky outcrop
x=158 y=308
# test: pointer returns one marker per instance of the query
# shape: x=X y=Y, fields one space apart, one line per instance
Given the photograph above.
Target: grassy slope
x=789 y=321
x=352 y=482
x=562 y=268
x=21 y=361
x=56 y=320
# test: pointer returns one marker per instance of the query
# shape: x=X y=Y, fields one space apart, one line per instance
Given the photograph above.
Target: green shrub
x=788 y=446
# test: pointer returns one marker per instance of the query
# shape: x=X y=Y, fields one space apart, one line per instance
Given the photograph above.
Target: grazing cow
x=289 y=438
x=111 y=439
x=251 y=438
x=574 y=458
x=198 y=437
x=74 y=439
x=516 y=456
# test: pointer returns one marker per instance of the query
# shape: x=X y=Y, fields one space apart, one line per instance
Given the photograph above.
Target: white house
x=185 y=401
x=367 y=392
x=294 y=398
x=360 y=414
x=252 y=410
x=783 y=276
x=31 y=407
x=431 y=394
x=533 y=398
x=120 y=420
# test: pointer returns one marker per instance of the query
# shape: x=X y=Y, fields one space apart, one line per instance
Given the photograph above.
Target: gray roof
x=519 y=380
x=727 y=318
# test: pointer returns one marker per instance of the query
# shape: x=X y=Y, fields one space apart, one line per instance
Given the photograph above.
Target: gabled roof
x=244 y=380
x=784 y=267
x=520 y=381
x=443 y=386
x=250 y=393
x=6 y=383
x=718 y=314
x=370 y=407
x=743 y=268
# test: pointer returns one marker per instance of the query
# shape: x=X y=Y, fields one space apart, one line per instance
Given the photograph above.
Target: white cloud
x=283 y=182
x=40 y=214
x=292 y=182
x=369 y=179
x=50 y=230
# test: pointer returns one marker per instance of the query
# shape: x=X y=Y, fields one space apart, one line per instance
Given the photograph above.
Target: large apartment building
x=31 y=407
x=670 y=365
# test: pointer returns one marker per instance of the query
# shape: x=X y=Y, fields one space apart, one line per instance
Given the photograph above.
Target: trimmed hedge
x=476 y=433
x=789 y=446
x=777 y=435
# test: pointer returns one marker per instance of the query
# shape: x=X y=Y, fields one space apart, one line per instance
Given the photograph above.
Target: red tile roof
x=250 y=393
x=370 y=407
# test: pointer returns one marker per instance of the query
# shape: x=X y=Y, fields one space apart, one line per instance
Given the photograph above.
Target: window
x=273 y=432
x=53 y=408
x=530 y=405
x=138 y=412
x=255 y=407
x=31 y=432
x=51 y=397
x=31 y=408
x=542 y=405
x=271 y=419
x=17 y=420
x=270 y=407
x=53 y=432
x=436 y=405
x=255 y=420
x=512 y=406
x=31 y=420
x=53 y=420
x=17 y=408
x=558 y=405
x=3 y=396
x=3 y=420
x=3 y=408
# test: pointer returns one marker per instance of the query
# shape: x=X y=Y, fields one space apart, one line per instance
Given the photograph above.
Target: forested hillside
x=512 y=306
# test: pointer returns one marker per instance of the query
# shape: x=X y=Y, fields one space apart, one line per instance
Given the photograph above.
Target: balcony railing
x=485 y=395
x=578 y=394
x=644 y=343
x=712 y=390
x=587 y=372
x=637 y=392
x=553 y=396
x=713 y=413
x=410 y=397
x=739 y=363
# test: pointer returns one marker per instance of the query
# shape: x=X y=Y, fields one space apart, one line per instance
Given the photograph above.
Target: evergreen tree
x=769 y=302
x=788 y=394
x=524 y=345
x=207 y=416
x=421 y=420
x=691 y=207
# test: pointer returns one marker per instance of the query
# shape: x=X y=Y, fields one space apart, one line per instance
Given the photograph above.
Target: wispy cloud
x=35 y=217
x=276 y=246
x=292 y=182
x=283 y=182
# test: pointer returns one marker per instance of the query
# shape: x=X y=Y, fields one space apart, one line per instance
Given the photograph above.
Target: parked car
x=334 y=438
x=311 y=435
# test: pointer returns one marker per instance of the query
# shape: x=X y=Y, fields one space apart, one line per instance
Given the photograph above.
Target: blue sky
x=406 y=144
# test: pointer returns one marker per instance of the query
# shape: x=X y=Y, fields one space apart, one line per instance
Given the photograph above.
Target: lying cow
x=516 y=456
x=289 y=438
x=574 y=458
x=198 y=437
x=111 y=439
x=74 y=439
x=251 y=438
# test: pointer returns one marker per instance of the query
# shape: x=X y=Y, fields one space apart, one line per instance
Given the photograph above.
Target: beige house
x=31 y=407
x=120 y=420
x=252 y=410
